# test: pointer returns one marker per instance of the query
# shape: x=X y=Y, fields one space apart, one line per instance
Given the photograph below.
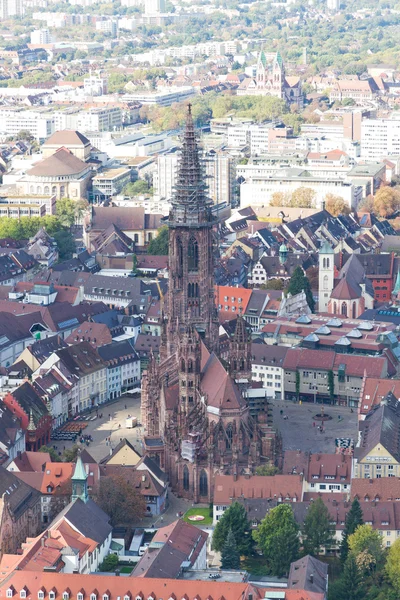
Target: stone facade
x=196 y=420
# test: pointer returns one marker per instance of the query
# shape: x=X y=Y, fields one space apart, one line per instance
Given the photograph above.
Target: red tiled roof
x=226 y=488
x=384 y=488
x=374 y=390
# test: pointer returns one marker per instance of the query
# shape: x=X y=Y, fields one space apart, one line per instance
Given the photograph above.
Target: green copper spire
x=79 y=482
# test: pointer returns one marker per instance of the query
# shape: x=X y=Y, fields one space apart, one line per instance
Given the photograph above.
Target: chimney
x=311 y=577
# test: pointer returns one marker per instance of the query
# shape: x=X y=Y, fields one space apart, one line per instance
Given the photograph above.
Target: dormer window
x=22 y=593
x=105 y=597
x=93 y=596
x=52 y=595
x=40 y=594
x=79 y=596
x=65 y=596
x=9 y=593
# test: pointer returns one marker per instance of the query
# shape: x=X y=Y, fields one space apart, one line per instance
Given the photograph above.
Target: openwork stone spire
x=190 y=204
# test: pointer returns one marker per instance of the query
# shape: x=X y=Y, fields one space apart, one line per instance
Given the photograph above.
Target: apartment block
x=380 y=138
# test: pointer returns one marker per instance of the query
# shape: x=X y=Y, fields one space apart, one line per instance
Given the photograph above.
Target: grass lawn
x=204 y=512
x=126 y=569
x=255 y=565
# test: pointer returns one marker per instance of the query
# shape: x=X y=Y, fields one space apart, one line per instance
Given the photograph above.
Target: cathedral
x=271 y=80
x=194 y=410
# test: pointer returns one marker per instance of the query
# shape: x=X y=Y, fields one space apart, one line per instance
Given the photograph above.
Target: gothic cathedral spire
x=190 y=297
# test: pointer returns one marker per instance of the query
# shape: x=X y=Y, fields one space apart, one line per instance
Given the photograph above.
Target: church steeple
x=79 y=482
x=190 y=299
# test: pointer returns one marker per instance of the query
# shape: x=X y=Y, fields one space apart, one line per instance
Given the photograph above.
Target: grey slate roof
x=310 y=574
x=381 y=426
x=87 y=518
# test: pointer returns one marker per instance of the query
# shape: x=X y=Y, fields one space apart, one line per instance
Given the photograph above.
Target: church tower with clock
x=79 y=482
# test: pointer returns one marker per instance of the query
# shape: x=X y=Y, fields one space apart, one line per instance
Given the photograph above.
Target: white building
x=258 y=192
x=95 y=85
x=333 y=5
x=154 y=6
x=11 y=8
x=40 y=37
x=108 y=26
x=162 y=97
x=380 y=138
x=39 y=123
x=255 y=137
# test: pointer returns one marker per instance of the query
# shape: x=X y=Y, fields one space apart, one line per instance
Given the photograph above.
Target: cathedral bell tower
x=189 y=374
x=190 y=299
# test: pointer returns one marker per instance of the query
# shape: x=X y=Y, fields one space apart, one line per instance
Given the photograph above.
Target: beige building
x=73 y=141
x=61 y=174
x=377 y=453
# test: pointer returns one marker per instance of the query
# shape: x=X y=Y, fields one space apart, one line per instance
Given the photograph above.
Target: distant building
x=154 y=6
x=333 y=5
x=40 y=37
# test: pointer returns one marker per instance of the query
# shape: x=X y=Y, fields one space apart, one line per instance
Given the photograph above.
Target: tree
x=65 y=243
x=280 y=199
x=277 y=537
x=354 y=518
x=317 y=529
x=303 y=197
x=137 y=188
x=299 y=282
x=230 y=558
x=336 y=205
x=366 y=204
x=53 y=454
x=365 y=544
x=69 y=211
x=350 y=586
x=273 y=284
x=119 y=500
x=159 y=245
x=109 y=564
x=234 y=519
x=70 y=454
x=392 y=566
x=386 y=201
x=267 y=470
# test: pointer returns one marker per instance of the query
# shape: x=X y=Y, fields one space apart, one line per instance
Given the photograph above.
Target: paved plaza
x=298 y=432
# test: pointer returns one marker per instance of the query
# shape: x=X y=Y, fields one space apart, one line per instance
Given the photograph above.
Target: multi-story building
x=40 y=37
x=267 y=367
x=110 y=183
x=11 y=8
x=380 y=138
x=123 y=367
x=94 y=85
x=40 y=123
x=321 y=472
x=331 y=377
x=26 y=205
x=376 y=454
x=154 y=6
x=108 y=26
x=163 y=97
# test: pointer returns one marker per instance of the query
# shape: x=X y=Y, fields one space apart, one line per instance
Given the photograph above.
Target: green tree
x=159 y=245
x=365 y=544
x=267 y=470
x=317 y=529
x=350 y=586
x=273 y=284
x=69 y=211
x=230 y=558
x=278 y=538
x=70 y=454
x=299 y=282
x=354 y=518
x=392 y=566
x=137 y=188
x=109 y=564
x=65 y=243
x=53 y=454
x=234 y=519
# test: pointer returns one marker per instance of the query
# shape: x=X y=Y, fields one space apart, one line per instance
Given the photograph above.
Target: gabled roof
x=66 y=137
x=381 y=426
x=62 y=162
x=222 y=392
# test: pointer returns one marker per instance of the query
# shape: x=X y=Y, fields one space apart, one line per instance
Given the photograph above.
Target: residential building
x=40 y=37
x=163 y=97
x=135 y=223
x=376 y=453
x=354 y=89
x=109 y=26
x=25 y=205
x=377 y=489
x=124 y=454
x=321 y=472
x=172 y=547
x=154 y=6
x=123 y=367
x=12 y=435
x=310 y=574
x=230 y=488
x=267 y=367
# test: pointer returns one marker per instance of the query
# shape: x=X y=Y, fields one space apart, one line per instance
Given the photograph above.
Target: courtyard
x=298 y=432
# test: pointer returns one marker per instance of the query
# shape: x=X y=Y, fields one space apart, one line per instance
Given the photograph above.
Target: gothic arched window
x=193 y=255
x=229 y=436
x=190 y=366
x=185 y=478
x=344 y=309
x=183 y=366
x=325 y=282
x=203 y=483
x=353 y=310
x=335 y=308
